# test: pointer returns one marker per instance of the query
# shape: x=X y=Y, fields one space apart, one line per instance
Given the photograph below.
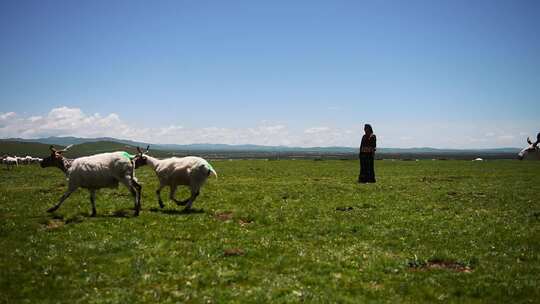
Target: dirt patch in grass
x=479 y=194
x=449 y=178
x=375 y=286
x=233 y=252
x=223 y=216
x=244 y=222
x=471 y=194
x=436 y=264
x=7 y=215
x=54 y=224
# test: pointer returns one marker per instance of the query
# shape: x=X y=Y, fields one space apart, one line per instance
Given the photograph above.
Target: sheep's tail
x=210 y=169
x=213 y=172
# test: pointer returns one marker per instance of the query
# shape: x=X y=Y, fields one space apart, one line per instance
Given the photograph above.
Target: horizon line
x=256 y=145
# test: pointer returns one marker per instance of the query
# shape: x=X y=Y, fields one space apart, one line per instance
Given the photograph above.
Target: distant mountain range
x=64 y=141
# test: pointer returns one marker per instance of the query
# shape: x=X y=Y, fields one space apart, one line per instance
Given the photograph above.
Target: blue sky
x=449 y=74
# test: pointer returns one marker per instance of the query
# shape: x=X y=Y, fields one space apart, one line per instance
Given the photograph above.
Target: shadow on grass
x=122 y=213
x=177 y=212
x=83 y=216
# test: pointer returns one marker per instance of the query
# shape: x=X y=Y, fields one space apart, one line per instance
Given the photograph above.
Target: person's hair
x=370 y=129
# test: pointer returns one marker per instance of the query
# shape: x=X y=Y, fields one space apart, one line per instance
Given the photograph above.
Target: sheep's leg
x=172 y=195
x=194 y=194
x=158 y=193
x=93 y=201
x=62 y=199
x=135 y=189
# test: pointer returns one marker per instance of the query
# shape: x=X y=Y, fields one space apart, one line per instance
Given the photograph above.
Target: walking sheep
x=189 y=171
x=94 y=172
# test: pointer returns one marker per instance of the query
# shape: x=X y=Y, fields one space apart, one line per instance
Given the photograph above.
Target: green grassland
x=280 y=231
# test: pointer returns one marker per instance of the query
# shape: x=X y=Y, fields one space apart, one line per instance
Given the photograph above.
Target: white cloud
x=66 y=121
x=506 y=137
x=63 y=121
x=6 y=116
x=315 y=130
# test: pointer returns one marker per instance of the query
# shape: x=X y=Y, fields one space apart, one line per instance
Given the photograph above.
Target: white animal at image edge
x=530 y=152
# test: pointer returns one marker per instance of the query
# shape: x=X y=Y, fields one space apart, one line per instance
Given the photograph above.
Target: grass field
x=280 y=231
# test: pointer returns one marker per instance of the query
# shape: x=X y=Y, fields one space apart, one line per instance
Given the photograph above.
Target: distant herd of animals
x=13 y=161
x=107 y=170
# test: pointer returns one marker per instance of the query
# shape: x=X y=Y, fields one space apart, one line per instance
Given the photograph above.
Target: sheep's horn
x=52 y=148
x=147 y=148
x=65 y=149
x=529 y=141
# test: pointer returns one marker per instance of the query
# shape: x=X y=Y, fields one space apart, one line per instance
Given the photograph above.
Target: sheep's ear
x=52 y=149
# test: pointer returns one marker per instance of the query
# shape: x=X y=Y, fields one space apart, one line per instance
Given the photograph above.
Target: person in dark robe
x=367 y=156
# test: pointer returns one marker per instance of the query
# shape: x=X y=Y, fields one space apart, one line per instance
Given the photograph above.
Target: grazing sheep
x=94 y=172
x=189 y=171
x=36 y=160
x=28 y=160
x=10 y=162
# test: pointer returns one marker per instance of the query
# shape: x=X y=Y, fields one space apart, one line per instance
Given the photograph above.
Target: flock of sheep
x=107 y=170
x=14 y=161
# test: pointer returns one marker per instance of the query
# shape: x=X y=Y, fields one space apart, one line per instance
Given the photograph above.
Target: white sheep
x=28 y=160
x=94 y=172
x=10 y=162
x=189 y=171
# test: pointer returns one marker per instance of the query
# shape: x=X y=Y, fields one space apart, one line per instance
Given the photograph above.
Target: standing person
x=367 y=156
